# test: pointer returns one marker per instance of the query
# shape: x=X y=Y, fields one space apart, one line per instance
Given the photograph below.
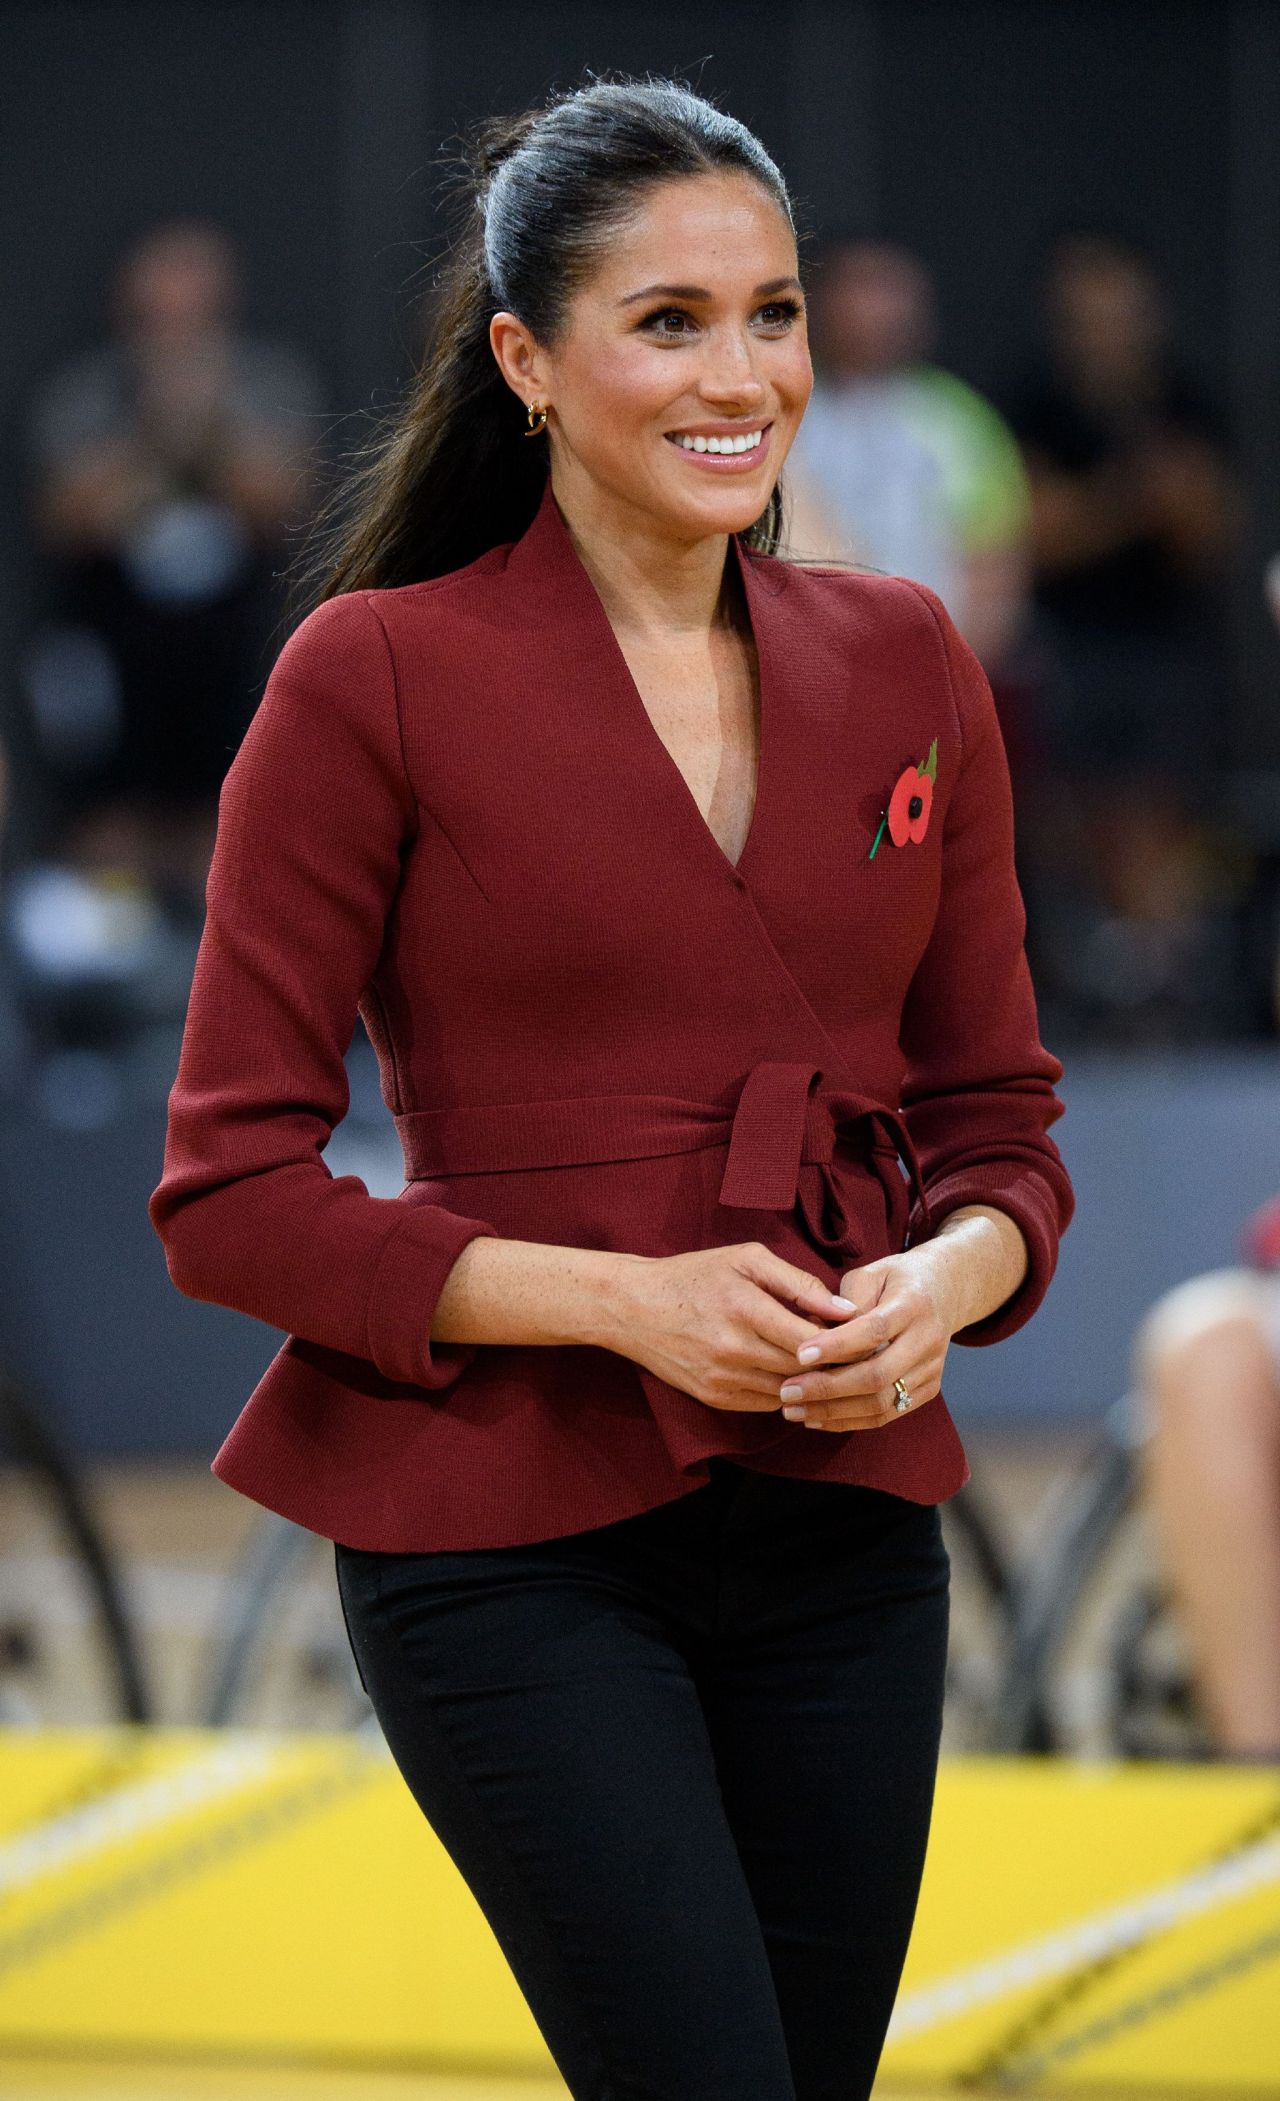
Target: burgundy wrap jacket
x=452 y=815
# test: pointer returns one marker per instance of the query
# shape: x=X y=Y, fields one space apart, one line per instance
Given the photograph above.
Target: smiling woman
x=567 y=783
x=716 y=373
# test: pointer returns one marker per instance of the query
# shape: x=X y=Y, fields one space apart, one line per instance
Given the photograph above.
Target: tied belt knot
x=786 y=1114
x=783 y=1119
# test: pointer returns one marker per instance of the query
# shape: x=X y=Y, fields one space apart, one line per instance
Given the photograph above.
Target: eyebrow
x=775 y=284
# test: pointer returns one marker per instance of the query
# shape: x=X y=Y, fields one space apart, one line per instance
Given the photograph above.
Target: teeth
x=746 y=443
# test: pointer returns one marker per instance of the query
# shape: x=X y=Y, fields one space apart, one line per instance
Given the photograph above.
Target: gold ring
x=903 y=1401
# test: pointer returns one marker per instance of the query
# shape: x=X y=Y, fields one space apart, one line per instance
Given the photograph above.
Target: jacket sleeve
x=313 y=815
x=978 y=1088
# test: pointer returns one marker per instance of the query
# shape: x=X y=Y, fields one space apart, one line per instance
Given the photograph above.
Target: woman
x=673 y=883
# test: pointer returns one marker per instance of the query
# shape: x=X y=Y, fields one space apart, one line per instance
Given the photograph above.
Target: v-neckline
x=666 y=765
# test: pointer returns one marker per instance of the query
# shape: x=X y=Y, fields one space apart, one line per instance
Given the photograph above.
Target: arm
x=533 y=1291
x=312 y=818
x=978 y=1087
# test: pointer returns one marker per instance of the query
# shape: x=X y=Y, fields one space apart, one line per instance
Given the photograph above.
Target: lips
x=717 y=459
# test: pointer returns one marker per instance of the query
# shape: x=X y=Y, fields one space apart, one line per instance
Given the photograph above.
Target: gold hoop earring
x=537 y=416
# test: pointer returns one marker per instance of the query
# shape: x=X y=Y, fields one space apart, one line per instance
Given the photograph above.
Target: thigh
x=825 y=1715
x=548 y=1726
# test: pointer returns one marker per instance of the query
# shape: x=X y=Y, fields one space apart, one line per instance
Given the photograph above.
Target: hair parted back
x=546 y=195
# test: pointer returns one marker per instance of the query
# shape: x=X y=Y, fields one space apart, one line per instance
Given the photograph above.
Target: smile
x=723 y=454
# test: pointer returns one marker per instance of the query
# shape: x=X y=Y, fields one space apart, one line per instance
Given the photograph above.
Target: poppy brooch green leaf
x=907 y=815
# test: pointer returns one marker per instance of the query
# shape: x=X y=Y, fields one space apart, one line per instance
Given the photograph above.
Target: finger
x=778 y=1335
x=865 y=1416
x=737 y=1375
x=785 y=1281
x=868 y=1377
x=774 y=1334
x=867 y=1412
x=901 y=1314
x=822 y=1359
x=871 y=1329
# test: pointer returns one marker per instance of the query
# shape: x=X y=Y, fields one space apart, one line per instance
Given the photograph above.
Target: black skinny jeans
x=685 y=1763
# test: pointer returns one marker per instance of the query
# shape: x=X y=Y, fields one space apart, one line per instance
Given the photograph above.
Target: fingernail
x=791 y=1391
x=794 y=1415
x=845 y=1305
x=808 y=1351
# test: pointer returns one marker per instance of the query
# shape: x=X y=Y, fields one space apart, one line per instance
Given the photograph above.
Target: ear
x=520 y=359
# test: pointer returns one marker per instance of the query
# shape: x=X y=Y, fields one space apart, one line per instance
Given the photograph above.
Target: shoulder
x=451 y=613
x=329 y=716
x=340 y=636
x=966 y=679
x=953 y=397
x=358 y=653
x=909 y=624
x=333 y=682
x=360 y=624
x=902 y=627
x=277 y=383
x=853 y=595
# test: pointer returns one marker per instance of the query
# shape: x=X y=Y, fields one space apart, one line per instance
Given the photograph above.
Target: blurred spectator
x=1135 y=516
x=1206 y=1363
x=168 y=464
x=899 y=463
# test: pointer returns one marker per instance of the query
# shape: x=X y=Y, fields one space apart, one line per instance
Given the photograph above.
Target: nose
x=729 y=373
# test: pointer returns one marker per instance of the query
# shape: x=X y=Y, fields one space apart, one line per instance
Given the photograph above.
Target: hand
x=901 y=1331
x=722 y=1324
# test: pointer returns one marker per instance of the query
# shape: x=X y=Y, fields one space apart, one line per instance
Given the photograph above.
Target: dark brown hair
x=546 y=194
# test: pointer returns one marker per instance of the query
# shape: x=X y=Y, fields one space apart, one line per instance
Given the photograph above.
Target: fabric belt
x=781 y=1119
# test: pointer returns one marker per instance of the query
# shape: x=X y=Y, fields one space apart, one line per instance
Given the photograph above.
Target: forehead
x=721 y=231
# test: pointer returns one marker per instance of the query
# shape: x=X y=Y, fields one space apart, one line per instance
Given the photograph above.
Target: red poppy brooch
x=910 y=803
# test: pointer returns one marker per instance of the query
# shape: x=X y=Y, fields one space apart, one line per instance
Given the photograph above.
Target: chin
x=721 y=511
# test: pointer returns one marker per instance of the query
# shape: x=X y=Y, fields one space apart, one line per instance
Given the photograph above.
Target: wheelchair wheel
x=1096 y=1664
x=279 y=1654
x=983 y=1613
x=64 y=1574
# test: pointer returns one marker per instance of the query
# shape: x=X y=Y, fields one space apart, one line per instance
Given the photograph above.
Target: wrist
x=612 y=1286
x=943 y=1262
x=976 y=1258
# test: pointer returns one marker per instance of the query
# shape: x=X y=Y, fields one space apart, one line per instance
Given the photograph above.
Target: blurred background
x=1041 y=244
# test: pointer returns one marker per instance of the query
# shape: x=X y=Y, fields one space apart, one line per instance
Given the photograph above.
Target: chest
x=592 y=851
x=703 y=705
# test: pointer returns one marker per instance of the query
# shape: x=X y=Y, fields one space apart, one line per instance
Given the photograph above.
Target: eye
x=664 y=313
x=788 y=308
x=782 y=312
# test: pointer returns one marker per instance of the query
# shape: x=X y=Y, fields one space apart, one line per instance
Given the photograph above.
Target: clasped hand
x=845 y=1376
x=738 y=1327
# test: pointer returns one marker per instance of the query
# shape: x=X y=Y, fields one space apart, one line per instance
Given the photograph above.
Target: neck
x=651 y=584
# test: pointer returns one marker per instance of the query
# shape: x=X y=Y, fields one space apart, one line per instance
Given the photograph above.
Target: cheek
x=622 y=389
x=794 y=378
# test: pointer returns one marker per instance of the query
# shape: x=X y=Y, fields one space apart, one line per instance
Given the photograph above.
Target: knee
x=1205 y=1328
x=1188 y=1323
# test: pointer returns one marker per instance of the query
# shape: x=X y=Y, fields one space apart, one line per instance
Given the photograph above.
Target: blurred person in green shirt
x=901 y=464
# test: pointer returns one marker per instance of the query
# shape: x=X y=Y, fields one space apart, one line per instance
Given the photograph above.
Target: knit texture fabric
x=452 y=817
